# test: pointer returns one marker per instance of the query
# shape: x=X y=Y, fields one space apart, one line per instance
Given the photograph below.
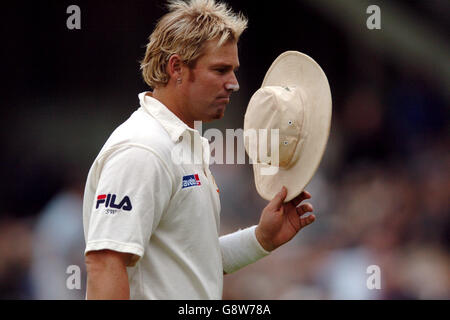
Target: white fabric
x=171 y=230
x=240 y=249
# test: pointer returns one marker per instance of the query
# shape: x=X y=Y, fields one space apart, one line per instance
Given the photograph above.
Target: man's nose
x=233 y=87
x=232 y=84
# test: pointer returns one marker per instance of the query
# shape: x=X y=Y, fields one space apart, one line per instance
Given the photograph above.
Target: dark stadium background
x=381 y=193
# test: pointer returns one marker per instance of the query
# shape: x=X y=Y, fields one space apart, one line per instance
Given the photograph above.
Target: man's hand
x=280 y=221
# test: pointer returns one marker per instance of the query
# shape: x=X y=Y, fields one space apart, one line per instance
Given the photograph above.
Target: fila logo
x=190 y=181
x=110 y=199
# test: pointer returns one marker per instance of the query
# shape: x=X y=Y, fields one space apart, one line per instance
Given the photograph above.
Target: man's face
x=205 y=87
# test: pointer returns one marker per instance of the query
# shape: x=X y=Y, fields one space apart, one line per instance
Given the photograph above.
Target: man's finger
x=302 y=196
x=307 y=220
x=277 y=201
x=304 y=208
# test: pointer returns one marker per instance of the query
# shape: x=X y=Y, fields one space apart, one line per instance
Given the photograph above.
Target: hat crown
x=311 y=119
x=275 y=108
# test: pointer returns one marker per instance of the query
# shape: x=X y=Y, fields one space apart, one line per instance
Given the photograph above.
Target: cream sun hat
x=294 y=98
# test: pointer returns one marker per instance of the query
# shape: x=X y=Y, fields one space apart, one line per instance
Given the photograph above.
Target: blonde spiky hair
x=184 y=31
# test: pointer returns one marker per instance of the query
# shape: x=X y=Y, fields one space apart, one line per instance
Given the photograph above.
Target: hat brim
x=293 y=68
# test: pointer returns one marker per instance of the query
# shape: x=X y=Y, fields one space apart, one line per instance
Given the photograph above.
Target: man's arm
x=107 y=277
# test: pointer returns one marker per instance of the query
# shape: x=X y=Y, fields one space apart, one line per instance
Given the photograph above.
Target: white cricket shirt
x=140 y=199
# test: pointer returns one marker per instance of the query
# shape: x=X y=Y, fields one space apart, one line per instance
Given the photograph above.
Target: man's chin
x=218 y=115
x=220 y=112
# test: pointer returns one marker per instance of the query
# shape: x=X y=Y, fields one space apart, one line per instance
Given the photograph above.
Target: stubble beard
x=220 y=112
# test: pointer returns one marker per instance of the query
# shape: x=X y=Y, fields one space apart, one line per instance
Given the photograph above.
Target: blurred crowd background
x=381 y=194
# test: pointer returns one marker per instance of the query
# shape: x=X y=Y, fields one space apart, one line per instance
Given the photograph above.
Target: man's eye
x=221 y=70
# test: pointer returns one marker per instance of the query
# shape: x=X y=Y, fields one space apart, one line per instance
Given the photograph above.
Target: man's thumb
x=277 y=201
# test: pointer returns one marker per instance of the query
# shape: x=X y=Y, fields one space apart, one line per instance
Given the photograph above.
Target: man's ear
x=174 y=66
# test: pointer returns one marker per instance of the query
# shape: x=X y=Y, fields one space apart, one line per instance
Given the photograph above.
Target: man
x=151 y=223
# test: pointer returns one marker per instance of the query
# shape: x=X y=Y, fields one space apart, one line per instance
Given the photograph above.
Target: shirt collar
x=173 y=125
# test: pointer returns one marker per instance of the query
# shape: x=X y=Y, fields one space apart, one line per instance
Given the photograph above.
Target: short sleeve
x=133 y=191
